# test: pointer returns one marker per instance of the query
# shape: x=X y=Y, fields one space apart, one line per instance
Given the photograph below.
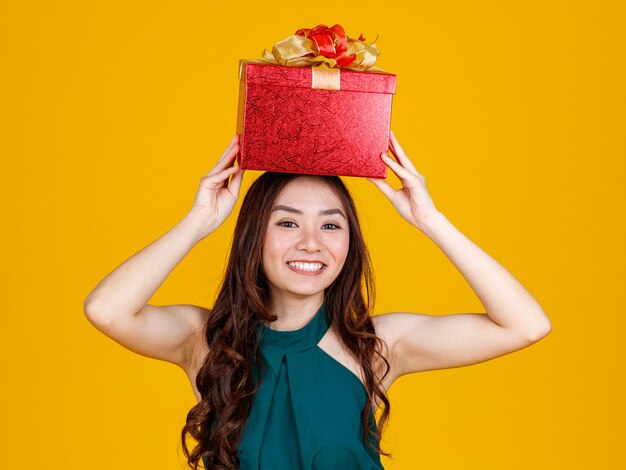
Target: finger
x=395 y=145
x=398 y=169
x=216 y=180
x=400 y=154
x=224 y=174
x=225 y=161
x=385 y=187
x=234 y=141
x=235 y=182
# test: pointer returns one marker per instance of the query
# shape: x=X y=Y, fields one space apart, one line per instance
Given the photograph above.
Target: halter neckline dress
x=306 y=414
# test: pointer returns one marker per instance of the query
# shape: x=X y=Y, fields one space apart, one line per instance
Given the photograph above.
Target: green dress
x=306 y=414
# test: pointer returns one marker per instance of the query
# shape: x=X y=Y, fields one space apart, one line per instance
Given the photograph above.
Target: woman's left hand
x=412 y=201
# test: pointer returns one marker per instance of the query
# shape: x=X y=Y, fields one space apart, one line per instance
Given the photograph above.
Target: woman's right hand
x=216 y=198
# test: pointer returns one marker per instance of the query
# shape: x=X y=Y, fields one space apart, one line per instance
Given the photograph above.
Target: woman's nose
x=309 y=241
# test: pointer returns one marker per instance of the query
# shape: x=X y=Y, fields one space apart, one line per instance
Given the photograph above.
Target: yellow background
x=111 y=112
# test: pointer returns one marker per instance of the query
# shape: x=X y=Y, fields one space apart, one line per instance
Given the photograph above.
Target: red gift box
x=289 y=121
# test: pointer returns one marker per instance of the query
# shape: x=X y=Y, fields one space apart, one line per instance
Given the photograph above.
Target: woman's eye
x=331 y=226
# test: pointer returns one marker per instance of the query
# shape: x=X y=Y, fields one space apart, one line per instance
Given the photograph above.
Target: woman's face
x=307 y=230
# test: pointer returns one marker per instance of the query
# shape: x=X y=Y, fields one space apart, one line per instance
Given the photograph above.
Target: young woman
x=289 y=366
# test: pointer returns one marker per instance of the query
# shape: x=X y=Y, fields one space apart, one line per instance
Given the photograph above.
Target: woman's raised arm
x=513 y=320
x=118 y=304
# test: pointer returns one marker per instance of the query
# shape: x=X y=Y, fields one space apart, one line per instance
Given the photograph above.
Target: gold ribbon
x=300 y=51
x=325 y=79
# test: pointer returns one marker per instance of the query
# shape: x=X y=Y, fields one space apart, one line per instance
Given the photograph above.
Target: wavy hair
x=226 y=378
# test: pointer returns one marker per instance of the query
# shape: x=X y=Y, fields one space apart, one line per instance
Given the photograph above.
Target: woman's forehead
x=309 y=193
x=309 y=190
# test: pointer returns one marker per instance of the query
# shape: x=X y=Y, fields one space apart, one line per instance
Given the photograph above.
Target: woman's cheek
x=339 y=248
x=279 y=242
x=277 y=246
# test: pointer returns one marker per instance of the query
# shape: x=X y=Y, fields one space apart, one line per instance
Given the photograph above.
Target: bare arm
x=513 y=319
x=118 y=305
x=129 y=287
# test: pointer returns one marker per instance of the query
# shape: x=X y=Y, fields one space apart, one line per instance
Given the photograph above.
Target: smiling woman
x=291 y=331
x=305 y=248
x=289 y=366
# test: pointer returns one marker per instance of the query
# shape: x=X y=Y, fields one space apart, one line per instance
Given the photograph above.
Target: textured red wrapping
x=287 y=126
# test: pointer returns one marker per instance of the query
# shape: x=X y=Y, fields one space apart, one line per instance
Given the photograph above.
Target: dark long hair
x=225 y=380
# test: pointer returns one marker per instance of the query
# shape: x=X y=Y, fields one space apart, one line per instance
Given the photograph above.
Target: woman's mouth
x=308 y=269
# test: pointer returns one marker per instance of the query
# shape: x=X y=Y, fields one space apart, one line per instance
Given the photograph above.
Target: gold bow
x=300 y=51
x=326 y=51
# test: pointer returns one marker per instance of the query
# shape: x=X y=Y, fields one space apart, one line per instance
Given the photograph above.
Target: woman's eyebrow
x=297 y=211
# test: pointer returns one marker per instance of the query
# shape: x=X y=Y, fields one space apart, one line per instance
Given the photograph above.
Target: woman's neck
x=294 y=313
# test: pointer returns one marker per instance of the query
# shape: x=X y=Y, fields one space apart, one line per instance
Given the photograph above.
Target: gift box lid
x=280 y=75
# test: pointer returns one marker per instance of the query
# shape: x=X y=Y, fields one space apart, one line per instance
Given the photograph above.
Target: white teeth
x=307 y=266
